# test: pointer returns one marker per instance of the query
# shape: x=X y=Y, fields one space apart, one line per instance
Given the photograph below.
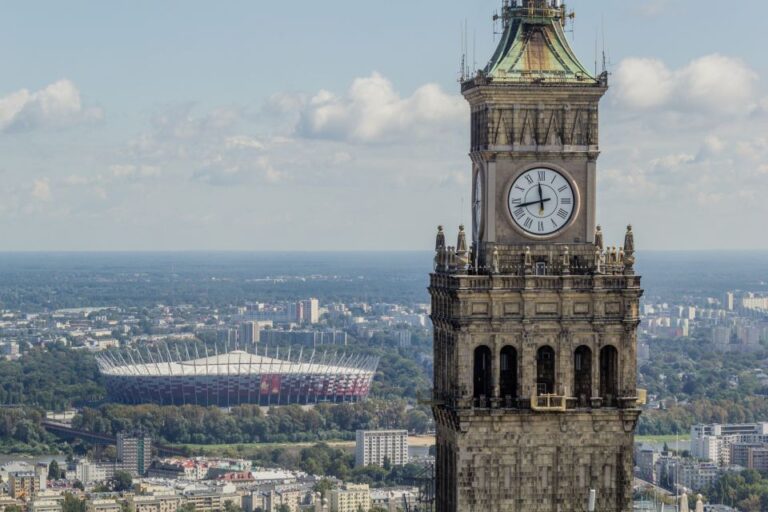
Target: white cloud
x=57 y=105
x=653 y=8
x=129 y=171
x=373 y=111
x=710 y=84
x=672 y=161
x=243 y=141
x=41 y=189
x=222 y=172
x=713 y=146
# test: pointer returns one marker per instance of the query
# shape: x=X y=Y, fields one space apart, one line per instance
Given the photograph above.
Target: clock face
x=542 y=201
x=477 y=206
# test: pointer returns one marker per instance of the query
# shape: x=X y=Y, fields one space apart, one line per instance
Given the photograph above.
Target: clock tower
x=535 y=322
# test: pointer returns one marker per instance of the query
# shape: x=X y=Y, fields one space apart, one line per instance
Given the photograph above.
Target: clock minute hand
x=542 y=201
x=541 y=198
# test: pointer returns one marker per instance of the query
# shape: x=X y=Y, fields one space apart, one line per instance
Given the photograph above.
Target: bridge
x=67 y=432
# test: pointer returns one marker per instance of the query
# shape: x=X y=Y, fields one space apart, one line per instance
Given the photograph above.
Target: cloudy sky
x=308 y=125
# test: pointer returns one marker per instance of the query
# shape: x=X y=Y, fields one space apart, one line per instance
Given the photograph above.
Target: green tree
x=54 y=471
x=187 y=507
x=323 y=486
x=231 y=507
x=121 y=481
x=72 y=504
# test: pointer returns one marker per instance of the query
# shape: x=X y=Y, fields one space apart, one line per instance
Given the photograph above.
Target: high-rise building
x=535 y=323
x=728 y=301
x=134 y=452
x=375 y=447
x=308 y=311
x=249 y=333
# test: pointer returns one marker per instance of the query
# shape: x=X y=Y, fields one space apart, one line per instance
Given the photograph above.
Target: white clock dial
x=542 y=201
x=477 y=207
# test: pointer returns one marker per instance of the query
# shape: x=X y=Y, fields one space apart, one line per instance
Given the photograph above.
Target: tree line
x=191 y=424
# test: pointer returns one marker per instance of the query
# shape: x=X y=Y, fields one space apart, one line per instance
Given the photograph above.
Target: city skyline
x=180 y=127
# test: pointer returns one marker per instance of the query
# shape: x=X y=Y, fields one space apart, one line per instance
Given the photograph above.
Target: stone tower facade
x=535 y=322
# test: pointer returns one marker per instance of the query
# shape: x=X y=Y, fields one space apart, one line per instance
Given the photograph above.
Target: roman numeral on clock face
x=542 y=175
x=563 y=188
x=519 y=213
x=528 y=223
x=563 y=214
x=566 y=200
x=541 y=226
x=529 y=179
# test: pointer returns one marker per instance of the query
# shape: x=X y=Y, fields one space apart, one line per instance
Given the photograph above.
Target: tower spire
x=533 y=47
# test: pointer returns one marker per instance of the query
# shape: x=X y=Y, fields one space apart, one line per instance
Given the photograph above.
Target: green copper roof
x=534 y=49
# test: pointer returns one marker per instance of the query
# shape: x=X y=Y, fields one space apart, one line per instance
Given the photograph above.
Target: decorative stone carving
x=566 y=261
x=528 y=261
x=598 y=261
x=599 y=238
x=440 y=250
x=629 y=251
x=440 y=239
x=461 y=249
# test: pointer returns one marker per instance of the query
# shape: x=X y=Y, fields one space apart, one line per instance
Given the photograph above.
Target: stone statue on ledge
x=629 y=251
x=599 y=238
x=495 y=267
x=461 y=249
x=566 y=261
x=440 y=250
x=528 y=261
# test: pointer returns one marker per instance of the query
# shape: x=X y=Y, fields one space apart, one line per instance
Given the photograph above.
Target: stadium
x=235 y=378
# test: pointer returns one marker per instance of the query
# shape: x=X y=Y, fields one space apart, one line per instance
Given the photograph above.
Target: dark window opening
x=482 y=376
x=609 y=375
x=545 y=371
x=508 y=374
x=582 y=375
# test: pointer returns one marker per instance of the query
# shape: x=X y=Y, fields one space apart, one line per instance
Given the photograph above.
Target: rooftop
x=534 y=49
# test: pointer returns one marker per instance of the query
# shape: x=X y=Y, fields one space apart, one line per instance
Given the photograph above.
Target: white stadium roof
x=237 y=362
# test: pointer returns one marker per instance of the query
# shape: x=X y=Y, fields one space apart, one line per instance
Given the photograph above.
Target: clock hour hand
x=542 y=201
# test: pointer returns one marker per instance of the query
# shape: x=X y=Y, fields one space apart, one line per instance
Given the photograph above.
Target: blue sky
x=338 y=125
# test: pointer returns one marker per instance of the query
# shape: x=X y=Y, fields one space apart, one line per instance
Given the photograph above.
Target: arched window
x=508 y=373
x=582 y=375
x=545 y=371
x=482 y=376
x=609 y=375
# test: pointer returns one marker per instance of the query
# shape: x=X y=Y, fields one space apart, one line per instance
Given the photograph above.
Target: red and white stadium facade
x=235 y=378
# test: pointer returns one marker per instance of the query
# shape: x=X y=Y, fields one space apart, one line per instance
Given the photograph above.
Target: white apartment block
x=350 y=498
x=102 y=505
x=713 y=442
x=372 y=447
